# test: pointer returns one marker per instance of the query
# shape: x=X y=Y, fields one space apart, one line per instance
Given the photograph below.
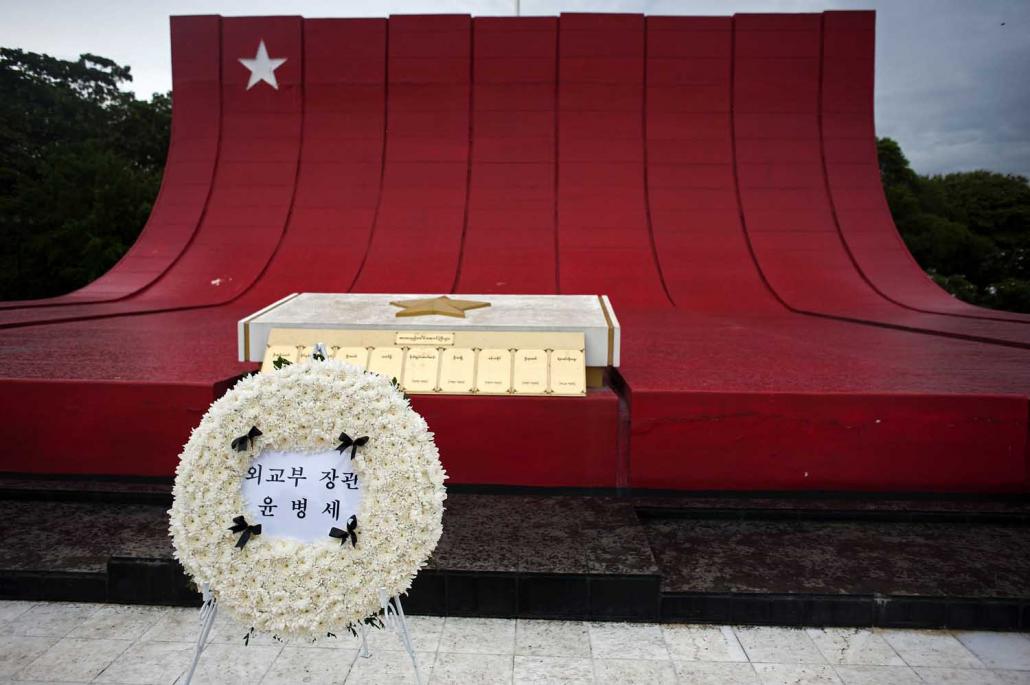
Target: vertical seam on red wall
x=736 y=177
x=211 y=184
x=557 y=159
x=897 y=235
x=382 y=154
x=754 y=256
x=468 y=155
x=826 y=173
x=296 y=173
x=647 y=185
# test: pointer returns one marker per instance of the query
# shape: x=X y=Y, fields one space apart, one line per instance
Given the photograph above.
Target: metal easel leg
x=208 y=611
x=393 y=618
x=363 y=652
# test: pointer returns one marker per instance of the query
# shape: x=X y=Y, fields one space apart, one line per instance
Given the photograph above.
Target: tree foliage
x=970 y=231
x=80 y=165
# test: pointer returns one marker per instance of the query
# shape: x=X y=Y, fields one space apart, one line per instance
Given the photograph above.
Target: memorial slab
x=591 y=315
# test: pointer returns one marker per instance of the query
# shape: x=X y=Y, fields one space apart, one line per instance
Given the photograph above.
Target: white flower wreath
x=284 y=586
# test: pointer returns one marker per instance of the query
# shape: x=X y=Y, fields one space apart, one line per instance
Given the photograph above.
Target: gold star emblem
x=440 y=306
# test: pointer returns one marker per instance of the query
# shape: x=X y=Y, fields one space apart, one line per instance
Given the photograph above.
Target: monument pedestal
x=524 y=431
x=471 y=344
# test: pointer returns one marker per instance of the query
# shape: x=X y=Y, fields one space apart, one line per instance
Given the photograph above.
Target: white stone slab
x=559 y=313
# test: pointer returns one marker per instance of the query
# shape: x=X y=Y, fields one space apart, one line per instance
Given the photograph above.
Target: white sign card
x=301 y=496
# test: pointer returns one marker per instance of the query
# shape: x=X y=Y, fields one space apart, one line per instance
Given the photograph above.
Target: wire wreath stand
x=393 y=619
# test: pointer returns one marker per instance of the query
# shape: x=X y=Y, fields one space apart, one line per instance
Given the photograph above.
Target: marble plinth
x=591 y=315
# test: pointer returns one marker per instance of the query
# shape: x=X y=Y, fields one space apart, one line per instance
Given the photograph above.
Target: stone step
x=897 y=573
x=517 y=555
x=596 y=557
x=837 y=506
x=829 y=506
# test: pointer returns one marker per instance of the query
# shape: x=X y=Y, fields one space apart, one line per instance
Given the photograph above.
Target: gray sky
x=951 y=80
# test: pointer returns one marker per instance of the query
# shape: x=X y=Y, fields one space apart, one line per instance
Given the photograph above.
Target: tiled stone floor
x=103 y=643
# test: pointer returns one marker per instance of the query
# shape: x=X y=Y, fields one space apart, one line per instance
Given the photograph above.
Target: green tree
x=969 y=230
x=80 y=166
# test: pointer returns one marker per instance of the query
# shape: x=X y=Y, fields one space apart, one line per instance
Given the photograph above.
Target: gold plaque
x=530 y=375
x=454 y=362
x=287 y=352
x=386 y=361
x=457 y=370
x=420 y=369
x=358 y=356
x=433 y=338
x=493 y=373
x=568 y=372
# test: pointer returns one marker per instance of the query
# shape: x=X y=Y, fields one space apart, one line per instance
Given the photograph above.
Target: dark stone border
x=434 y=592
x=535 y=595
x=87 y=496
x=97 y=477
x=848 y=610
x=134 y=580
x=557 y=596
x=60 y=586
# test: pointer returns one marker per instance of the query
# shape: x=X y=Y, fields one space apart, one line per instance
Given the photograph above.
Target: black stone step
x=898 y=573
x=1013 y=509
x=505 y=556
x=595 y=557
x=86 y=489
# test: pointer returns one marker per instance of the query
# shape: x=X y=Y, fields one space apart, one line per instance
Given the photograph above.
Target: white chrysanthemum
x=306 y=589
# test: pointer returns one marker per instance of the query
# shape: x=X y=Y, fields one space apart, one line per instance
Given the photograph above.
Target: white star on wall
x=262 y=67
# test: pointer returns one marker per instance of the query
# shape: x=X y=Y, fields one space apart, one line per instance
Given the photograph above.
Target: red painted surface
x=416 y=240
x=109 y=427
x=333 y=208
x=712 y=175
x=603 y=235
x=525 y=440
x=757 y=402
x=823 y=441
x=692 y=186
x=789 y=215
x=509 y=237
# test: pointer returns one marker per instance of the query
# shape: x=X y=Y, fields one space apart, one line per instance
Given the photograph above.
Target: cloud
x=951 y=83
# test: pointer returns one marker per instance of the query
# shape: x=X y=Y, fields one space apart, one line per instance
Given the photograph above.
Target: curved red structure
x=509 y=240
x=852 y=173
x=789 y=212
x=716 y=177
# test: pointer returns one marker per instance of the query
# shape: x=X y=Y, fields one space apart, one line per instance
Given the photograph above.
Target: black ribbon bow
x=352 y=525
x=243 y=443
x=241 y=526
x=346 y=441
